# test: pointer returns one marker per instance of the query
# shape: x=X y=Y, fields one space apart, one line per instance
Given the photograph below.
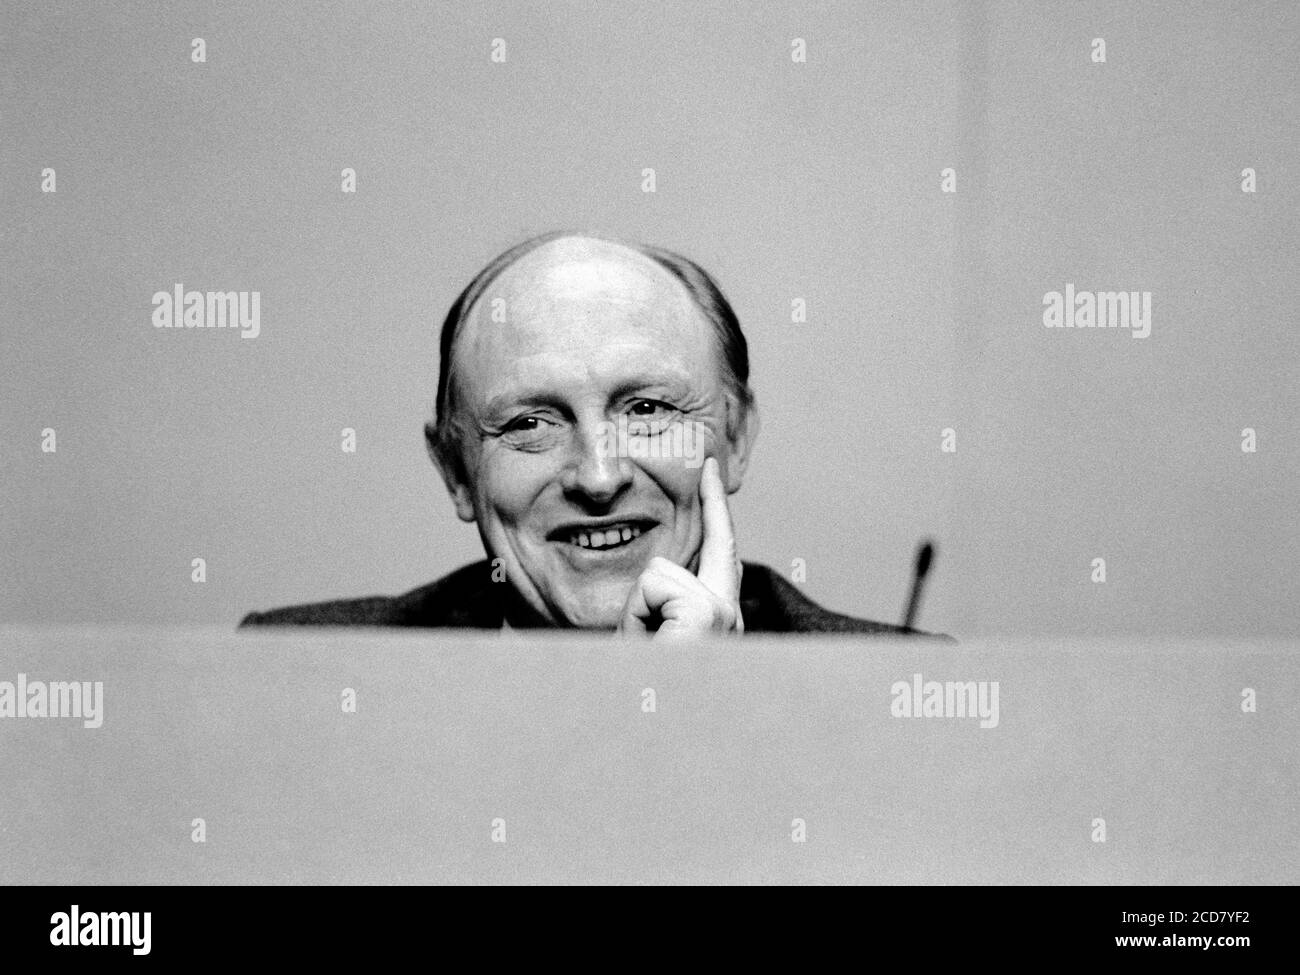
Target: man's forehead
x=584 y=298
x=549 y=377
x=573 y=270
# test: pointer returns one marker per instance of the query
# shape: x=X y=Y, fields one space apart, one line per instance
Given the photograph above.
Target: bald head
x=576 y=283
x=569 y=268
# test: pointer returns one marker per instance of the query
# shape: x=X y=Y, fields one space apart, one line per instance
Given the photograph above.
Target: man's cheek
x=692 y=440
x=680 y=534
x=681 y=484
x=504 y=493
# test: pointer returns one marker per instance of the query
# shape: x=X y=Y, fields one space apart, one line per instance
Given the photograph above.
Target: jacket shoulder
x=770 y=604
x=367 y=611
x=453 y=600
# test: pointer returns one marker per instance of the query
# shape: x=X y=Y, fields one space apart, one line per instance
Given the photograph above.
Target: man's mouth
x=601 y=536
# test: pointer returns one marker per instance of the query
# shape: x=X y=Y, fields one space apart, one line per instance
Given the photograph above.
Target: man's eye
x=527 y=431
x=648 y=407
x=649 y=416
x=651 y=409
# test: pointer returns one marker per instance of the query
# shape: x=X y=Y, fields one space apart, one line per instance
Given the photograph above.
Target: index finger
x=719 y=566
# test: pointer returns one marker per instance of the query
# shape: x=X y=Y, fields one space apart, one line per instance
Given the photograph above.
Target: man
x=593 y=414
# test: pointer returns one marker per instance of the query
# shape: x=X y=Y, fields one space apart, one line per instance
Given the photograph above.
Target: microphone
x=924 y=557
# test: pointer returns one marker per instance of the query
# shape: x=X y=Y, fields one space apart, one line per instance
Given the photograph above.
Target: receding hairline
x=549 y=257
x=702 y=295
x=537 y=256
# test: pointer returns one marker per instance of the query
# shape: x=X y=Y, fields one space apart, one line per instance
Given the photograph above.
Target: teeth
x=605 y=538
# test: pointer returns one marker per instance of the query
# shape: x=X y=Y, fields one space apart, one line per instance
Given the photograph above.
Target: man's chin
x=597 y=607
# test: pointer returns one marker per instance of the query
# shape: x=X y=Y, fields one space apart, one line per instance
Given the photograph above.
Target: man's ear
x=742 y=435
x=452 y=470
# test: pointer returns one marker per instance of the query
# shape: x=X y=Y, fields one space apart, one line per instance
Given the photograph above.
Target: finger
x=670 y=592
x=636 y=612
x=649 y=594
x=719 y=566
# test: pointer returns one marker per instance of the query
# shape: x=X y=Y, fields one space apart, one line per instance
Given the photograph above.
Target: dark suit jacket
x=468 y=598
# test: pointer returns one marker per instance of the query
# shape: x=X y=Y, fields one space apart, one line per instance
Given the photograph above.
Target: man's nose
x=594 y=467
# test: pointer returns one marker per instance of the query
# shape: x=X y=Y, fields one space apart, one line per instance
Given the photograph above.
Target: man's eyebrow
x=673 y=381
x=525 y=397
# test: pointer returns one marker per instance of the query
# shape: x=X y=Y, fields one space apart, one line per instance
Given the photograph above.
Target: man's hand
x=692 y=605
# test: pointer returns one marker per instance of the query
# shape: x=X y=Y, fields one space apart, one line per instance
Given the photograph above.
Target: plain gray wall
x=818 y=180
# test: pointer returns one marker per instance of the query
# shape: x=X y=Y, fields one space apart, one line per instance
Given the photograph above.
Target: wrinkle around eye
x=662 y=410
x=530 y=433
x=651 y=424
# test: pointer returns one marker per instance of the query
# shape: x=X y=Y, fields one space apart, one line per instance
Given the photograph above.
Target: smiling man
x=593 y=415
